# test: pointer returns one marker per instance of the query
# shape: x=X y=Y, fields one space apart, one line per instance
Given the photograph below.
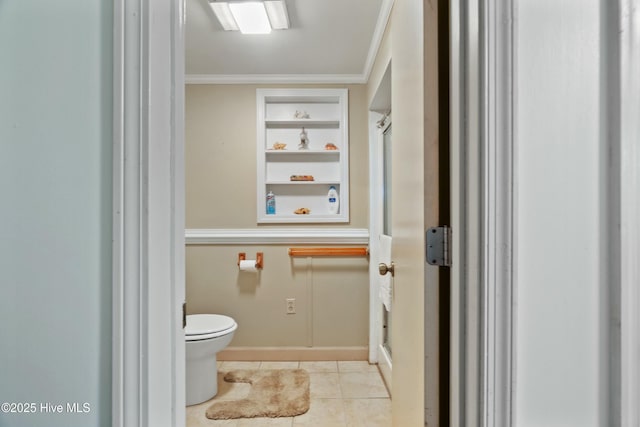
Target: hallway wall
x=55 y=221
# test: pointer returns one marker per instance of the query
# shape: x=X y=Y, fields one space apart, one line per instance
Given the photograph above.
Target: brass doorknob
x=384 y=268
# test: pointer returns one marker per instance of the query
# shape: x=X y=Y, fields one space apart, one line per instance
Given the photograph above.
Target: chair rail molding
x=251 y=236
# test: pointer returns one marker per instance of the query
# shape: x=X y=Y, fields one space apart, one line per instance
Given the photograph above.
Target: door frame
x=484 y=191
x=148 y=353
x=149 y=223
x=484 y=179
x=626 y=65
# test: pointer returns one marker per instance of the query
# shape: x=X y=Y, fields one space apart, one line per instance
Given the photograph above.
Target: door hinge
x=184 y=315
x=438 y=241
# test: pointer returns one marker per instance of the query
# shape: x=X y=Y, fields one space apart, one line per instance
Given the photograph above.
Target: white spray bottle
x=334 y=200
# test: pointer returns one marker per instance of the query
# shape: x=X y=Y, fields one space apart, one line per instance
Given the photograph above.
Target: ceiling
x=330 y=41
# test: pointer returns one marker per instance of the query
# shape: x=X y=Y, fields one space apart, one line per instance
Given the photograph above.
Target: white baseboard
x=293 y=353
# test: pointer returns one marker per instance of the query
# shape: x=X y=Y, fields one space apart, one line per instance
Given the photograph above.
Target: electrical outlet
x=291 y=306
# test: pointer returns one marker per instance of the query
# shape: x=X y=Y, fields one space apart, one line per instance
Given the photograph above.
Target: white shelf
x=327 y=122
x=298 y=123
x=302 y=182
x=310 y=218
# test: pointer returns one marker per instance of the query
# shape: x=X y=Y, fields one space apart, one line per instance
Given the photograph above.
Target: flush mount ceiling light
x=251 y=17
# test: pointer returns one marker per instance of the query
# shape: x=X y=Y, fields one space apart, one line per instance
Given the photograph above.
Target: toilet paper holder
x=259 y=259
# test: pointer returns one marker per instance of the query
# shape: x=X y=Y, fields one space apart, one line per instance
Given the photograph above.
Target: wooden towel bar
x=328 y=251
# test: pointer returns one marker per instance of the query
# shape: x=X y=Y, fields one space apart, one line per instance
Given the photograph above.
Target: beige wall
x=331 y=293
x=331 y=296
x=221 y=156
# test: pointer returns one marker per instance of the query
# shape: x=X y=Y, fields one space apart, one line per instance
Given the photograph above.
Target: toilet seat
x=206 y=326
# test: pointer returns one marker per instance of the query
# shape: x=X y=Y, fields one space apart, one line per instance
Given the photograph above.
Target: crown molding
x=376 y=38
x=362 y=78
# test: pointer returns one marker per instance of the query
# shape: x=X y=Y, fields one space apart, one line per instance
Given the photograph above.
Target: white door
x=416 y=382
x=384 y=290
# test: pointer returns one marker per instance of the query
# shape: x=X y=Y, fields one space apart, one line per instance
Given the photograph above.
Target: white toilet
x=206 y=335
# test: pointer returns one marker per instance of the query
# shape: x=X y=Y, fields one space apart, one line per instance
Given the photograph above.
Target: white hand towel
x=385 y=281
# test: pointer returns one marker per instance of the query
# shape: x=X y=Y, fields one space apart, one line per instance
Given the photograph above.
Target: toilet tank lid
x=200 y=324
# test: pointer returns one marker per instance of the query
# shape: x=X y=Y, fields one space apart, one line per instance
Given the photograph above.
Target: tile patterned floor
x=343 y=394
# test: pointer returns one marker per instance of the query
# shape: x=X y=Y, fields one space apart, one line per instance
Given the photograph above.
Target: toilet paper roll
x=248 y=265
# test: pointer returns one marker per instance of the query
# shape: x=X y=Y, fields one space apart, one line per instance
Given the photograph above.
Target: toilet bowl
x=205 y=335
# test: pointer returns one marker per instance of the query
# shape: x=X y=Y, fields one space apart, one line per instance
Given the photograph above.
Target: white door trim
x=469 y=185
x=628 y=26
x=148 y=214
x=498 y=212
